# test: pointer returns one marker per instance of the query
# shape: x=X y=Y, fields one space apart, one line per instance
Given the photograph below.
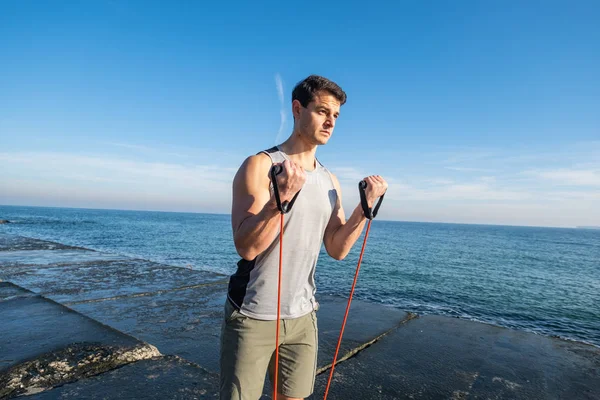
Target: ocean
x=541 y=280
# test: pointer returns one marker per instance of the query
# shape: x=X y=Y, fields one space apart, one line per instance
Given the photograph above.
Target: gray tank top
x=253 y=288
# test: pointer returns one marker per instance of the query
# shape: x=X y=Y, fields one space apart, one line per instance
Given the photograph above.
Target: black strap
x=370 y=214
x=272 y=150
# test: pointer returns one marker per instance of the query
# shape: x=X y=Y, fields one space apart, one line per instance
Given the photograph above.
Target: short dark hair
x=305 y=90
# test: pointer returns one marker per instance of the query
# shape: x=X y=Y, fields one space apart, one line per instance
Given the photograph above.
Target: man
x=317 y=217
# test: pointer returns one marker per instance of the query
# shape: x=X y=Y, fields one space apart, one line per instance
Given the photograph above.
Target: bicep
x=250 y=189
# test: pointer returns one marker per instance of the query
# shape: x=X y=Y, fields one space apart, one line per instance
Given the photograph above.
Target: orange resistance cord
x=337 y=349
x=278 y=308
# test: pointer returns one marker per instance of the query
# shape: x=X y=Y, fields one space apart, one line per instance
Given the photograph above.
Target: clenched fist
x=290 y=180
x=376 y=187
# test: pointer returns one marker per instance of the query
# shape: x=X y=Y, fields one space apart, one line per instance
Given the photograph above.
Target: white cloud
x=564 y=194
x=282 y=111
x=467 y=169
x=279 y=85
x=65 y=165
x=438 y=181
x=64 y=177
x=533 y=212
x=487 y=179
x=473 y=191
x=136 y=147
x=168 y=151
x=508 y=198
x=347 y=174
x=569 y=177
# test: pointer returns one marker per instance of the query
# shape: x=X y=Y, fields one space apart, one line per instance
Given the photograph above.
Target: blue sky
x=475 y=111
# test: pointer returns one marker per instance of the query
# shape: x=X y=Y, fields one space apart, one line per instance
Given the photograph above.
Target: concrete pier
x=45 y=344
x=81 y=324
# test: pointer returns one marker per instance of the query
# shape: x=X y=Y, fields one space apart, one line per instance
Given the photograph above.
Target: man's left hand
x=376 y=187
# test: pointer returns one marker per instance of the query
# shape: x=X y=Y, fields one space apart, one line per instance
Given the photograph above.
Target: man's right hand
x=254 y=214
x=290 y=180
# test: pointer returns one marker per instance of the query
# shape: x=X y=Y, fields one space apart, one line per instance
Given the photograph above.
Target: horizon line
x=228 y=214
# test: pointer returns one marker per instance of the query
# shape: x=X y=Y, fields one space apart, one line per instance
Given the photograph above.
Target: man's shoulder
x=256 y=164
x=258 y=160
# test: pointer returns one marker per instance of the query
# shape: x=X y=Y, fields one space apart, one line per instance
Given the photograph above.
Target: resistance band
x=283 y=208
x=370 y=214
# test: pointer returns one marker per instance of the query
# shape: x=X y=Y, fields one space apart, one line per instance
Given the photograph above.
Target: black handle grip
x=369 y=213
x=276 y=170
x=286 y=206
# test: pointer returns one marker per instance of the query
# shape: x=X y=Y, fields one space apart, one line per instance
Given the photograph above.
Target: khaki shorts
x=248 y=351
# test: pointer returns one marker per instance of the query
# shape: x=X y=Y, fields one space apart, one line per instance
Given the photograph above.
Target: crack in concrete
x=362 y=347
x=143 y=294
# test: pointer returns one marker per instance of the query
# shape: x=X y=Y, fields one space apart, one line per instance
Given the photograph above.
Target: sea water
x=542 y=280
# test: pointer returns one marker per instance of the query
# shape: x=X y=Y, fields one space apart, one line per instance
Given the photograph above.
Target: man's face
x=317 y=120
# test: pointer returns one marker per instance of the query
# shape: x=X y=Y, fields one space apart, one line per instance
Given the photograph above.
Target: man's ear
x=296 y=107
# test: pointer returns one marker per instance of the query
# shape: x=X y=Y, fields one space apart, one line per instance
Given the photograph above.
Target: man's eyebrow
x=322 y=107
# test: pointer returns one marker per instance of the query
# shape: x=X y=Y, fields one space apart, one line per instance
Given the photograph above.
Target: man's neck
x=300 y=152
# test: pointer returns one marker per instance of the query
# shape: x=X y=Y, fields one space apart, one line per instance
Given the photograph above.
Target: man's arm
x=340 y=235
x=254 y=214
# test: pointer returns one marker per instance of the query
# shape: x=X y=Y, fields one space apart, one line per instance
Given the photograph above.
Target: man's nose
x=330 y=121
